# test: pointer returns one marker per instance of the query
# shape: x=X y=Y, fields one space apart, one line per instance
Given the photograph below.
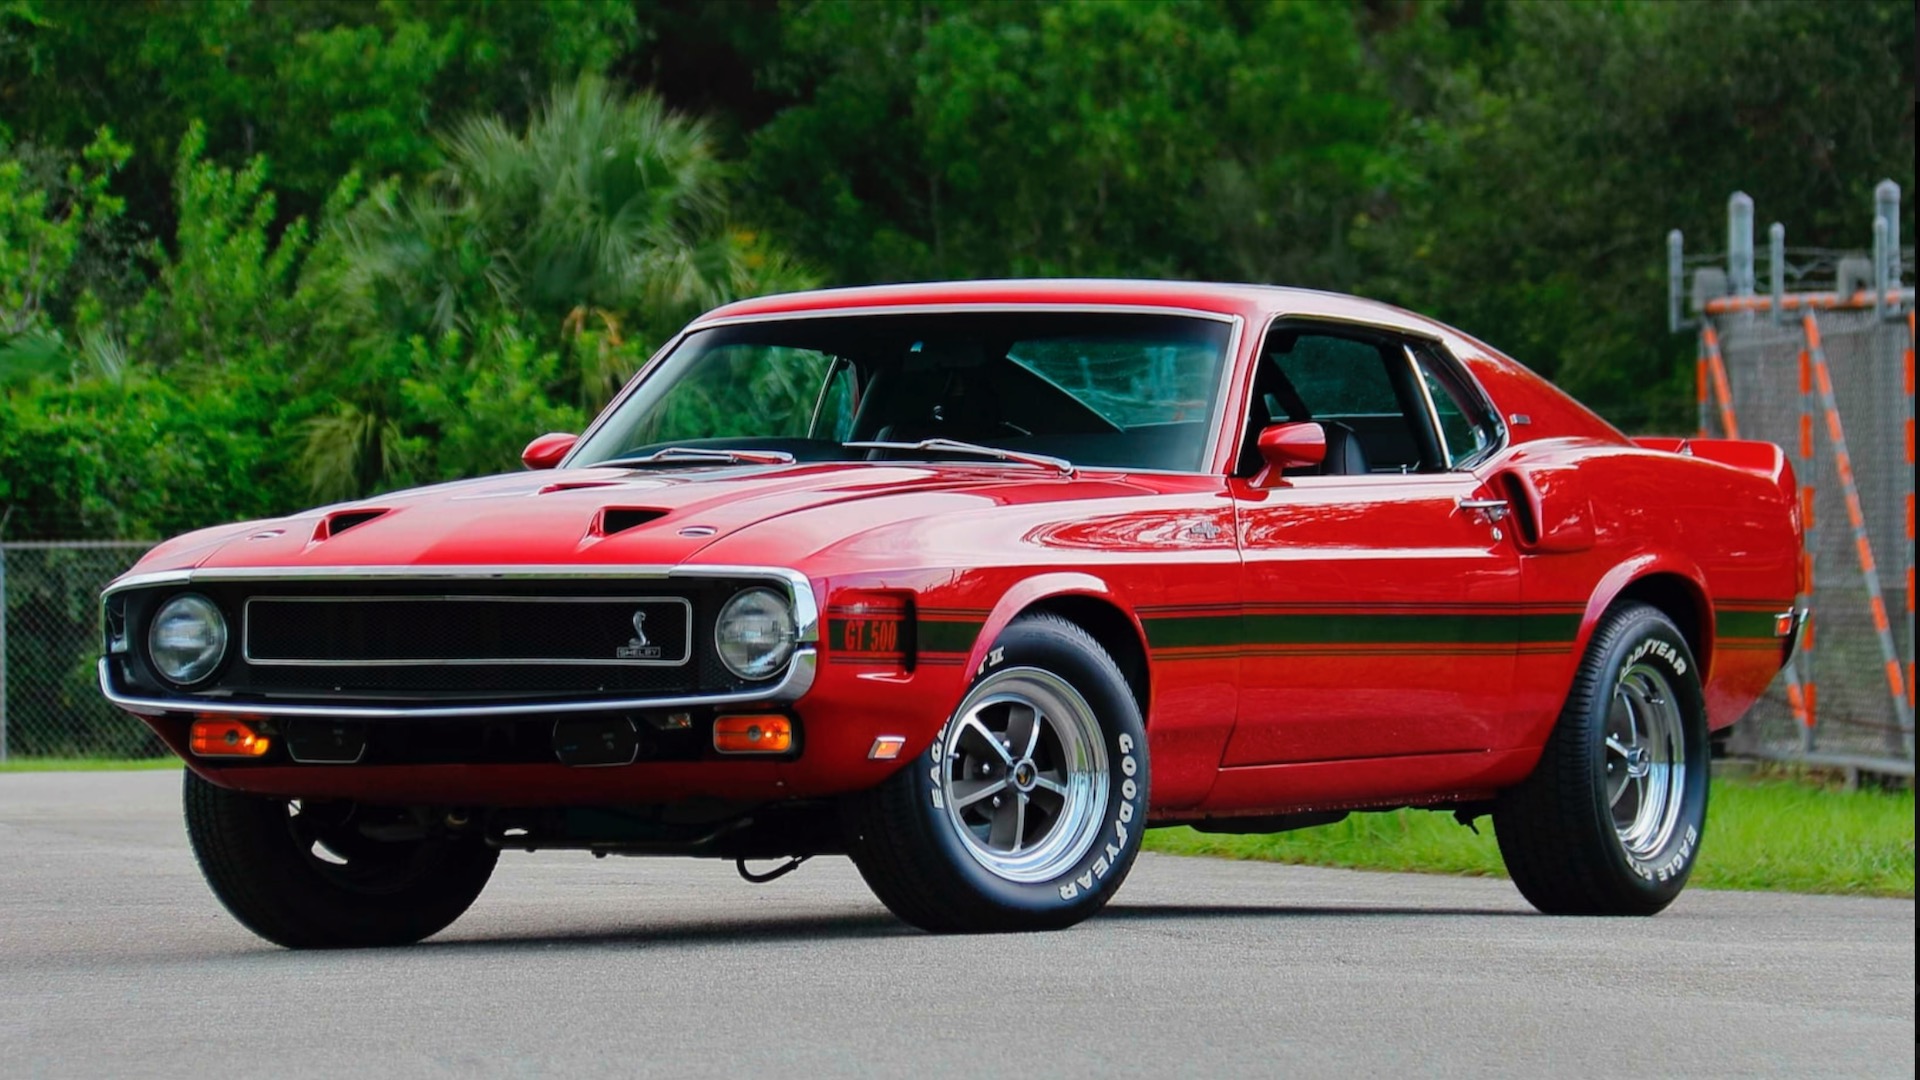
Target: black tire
x=262 y=858
x=949 y=868
x=1604 y=826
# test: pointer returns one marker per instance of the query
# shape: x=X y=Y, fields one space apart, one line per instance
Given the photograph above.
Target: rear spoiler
x=1748 y=455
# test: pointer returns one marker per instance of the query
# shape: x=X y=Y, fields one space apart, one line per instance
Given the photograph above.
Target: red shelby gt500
x=974 y=583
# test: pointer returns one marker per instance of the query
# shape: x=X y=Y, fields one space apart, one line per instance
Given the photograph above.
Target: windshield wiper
x=693 y=455
x=954 y=446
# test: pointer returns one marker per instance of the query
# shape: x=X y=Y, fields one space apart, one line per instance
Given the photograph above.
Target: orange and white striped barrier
x=1863 y=546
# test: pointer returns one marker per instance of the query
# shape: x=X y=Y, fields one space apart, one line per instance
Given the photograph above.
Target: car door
x=1381 y=613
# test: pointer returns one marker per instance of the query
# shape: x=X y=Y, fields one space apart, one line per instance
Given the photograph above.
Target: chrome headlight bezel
x=755 y=635
x=179 y=616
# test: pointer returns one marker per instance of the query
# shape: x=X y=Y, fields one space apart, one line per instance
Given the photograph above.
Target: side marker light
x=887 y=748
x=753 y=734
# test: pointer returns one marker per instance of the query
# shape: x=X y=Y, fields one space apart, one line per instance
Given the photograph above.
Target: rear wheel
x=1026 y=812
x=1611 y=819
x=317 y=875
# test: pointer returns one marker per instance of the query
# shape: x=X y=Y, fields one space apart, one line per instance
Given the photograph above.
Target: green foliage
x=328 y=248
x=43 y=222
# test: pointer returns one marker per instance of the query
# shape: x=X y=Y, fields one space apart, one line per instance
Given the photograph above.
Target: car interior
x=1370 y=393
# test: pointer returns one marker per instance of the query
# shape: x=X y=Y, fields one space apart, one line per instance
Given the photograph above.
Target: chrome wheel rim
x=1023 y=775
x=1646 y=760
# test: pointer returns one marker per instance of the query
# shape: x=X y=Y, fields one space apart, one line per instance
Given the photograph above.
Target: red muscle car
x=974 y=583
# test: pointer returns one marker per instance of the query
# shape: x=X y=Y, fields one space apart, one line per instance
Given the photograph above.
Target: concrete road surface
x=116 y=961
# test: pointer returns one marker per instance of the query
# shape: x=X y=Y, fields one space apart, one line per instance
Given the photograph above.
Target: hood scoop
x=618 y=519
x=334 y=524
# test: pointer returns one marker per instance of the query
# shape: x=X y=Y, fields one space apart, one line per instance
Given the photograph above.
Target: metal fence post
x=1777 y=269
x=1886 y=204
x=1740 y=244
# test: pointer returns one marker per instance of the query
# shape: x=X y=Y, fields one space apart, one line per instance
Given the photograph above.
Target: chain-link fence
x=1847 y=705
x=50 y=703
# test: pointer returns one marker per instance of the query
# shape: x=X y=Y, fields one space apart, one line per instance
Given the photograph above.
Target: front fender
x=1027 y=592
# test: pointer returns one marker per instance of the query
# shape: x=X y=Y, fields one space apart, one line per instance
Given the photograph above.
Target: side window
x=1337 y=377
x=1467 y=431
x=1391 y=405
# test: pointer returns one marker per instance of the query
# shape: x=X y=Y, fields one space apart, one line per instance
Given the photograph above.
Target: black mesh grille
x=538 y=624
x=347 y=630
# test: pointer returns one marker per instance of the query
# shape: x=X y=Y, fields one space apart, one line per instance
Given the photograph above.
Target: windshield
x=1112 y=390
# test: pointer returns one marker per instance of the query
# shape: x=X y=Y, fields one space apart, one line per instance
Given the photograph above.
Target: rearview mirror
x=1298 y=445
x=546 y=451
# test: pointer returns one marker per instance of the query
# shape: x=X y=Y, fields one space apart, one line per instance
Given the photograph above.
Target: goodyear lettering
x=1109 y=856
x=1662 y=650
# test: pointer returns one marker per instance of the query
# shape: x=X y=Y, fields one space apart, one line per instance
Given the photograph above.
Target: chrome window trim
x=963 y=308
x=1230 y=354
x=246 y=632
x=1433 y=411
x=797 y=681
x=1444 y=356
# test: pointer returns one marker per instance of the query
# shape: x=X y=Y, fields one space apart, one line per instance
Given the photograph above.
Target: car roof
x=1247 y=301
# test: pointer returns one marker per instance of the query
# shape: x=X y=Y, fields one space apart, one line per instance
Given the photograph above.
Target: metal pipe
x=1809 y=301
x=1777 y=267
x=1886 y=204
x=1740 y=244
x=1880 y=231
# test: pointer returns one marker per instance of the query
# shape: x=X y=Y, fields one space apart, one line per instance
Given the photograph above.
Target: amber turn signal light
x=753 y=734
x=228 y=738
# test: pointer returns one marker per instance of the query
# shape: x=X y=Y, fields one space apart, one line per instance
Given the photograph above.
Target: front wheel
x=1027 y=811
x=1610 y=821
x=321 y=875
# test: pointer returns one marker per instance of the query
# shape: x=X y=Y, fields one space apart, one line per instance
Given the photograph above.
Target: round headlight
x=755 y=633
x=188 y=638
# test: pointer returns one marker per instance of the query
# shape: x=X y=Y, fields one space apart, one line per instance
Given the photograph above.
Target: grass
x=1779 y=831
x=86 y=764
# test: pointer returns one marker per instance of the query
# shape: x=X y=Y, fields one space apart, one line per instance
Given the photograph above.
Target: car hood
x=598 y=515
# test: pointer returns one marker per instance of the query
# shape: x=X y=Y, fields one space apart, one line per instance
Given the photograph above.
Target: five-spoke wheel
x=1023 y=774
x=1027 y=810
x=1610 y=821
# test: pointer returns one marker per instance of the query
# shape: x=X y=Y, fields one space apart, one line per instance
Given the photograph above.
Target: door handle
x=1494 y=510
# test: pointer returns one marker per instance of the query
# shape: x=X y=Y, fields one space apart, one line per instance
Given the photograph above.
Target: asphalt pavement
x=115 y=960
